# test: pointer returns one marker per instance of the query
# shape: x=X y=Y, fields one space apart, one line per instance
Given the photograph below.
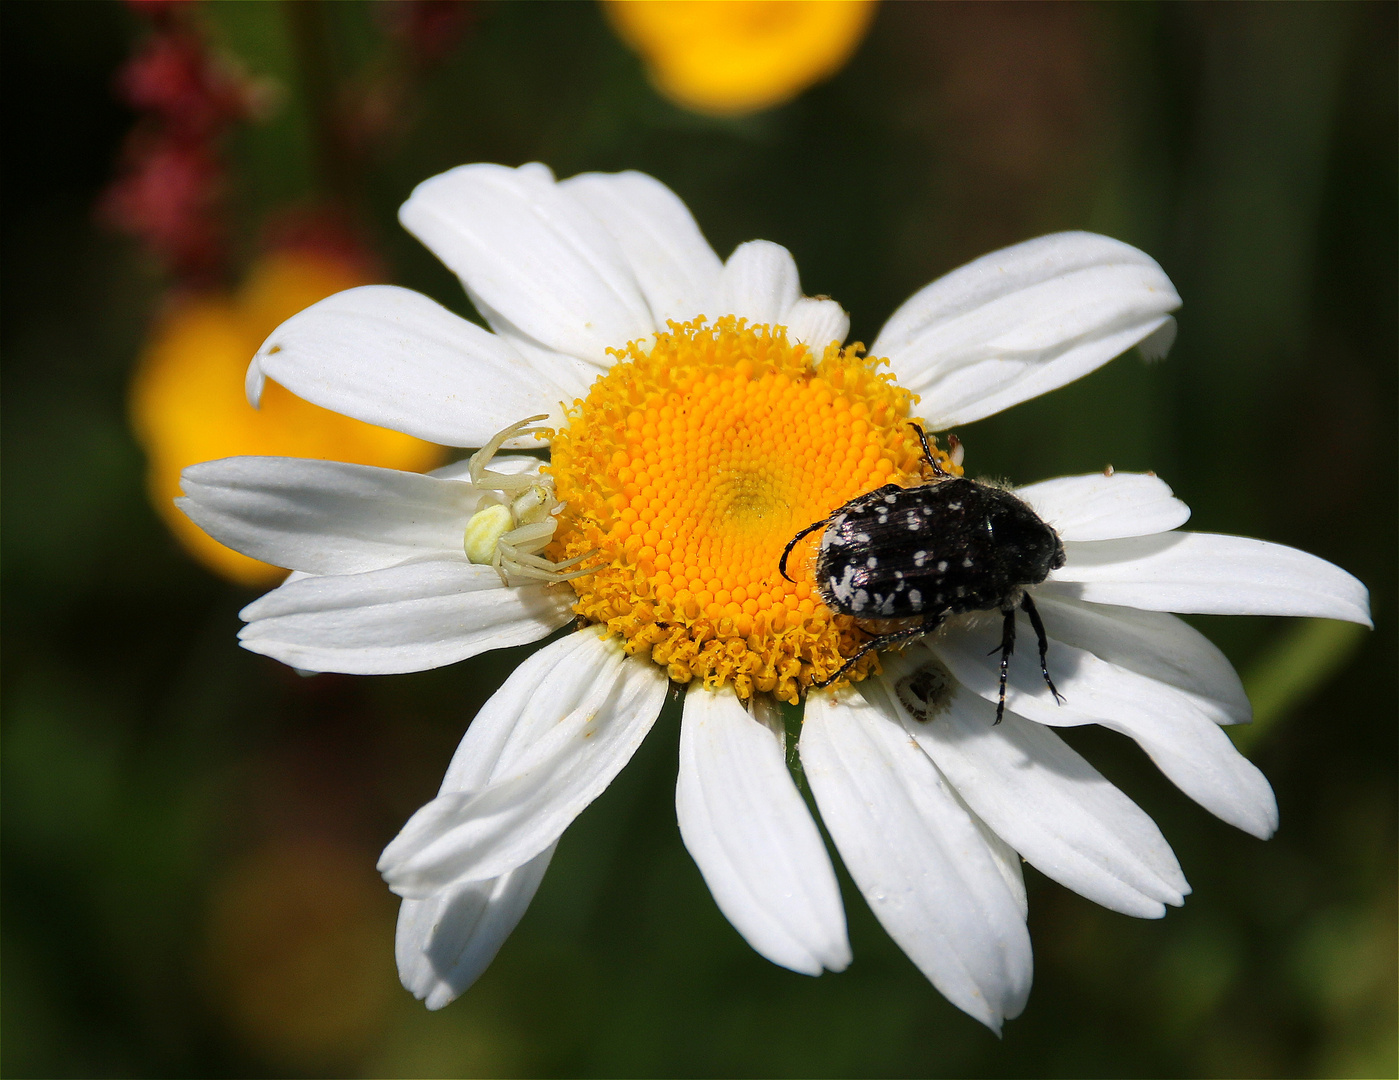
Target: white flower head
x=702 y=413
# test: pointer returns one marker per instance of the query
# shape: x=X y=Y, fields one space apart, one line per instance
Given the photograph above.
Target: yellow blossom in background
x=728 y=57
x=293 y=952
x=188 y=403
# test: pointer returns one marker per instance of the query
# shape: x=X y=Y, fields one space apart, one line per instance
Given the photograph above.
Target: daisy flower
x=699 y=415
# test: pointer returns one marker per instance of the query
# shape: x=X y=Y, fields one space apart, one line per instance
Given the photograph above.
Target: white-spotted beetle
x=943 y=547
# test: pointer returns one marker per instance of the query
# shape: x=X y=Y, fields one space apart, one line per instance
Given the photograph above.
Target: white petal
x=750 y=833
x=392 y=357
x=571 y=375
x=1042 y=798
x=1150 y=643
x=533 y=253
x=1099 y=507
x=1006 y=858
x=1210 y=574
x=1158 y=343
x=573 y=714
x=673 y=263
x=445 y=942
x=1202 y=761
x=917 y=856
x=817 y=323
x=1019 y=322
x=326 y=517
x=759 y=283
x=1170 y=725
x=412 y=617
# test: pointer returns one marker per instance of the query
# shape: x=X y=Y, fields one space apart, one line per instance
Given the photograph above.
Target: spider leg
x=481 y=477
x=782 y=562
x=1029 y=606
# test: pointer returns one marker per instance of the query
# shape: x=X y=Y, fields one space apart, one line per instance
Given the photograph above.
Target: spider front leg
x=482 y=477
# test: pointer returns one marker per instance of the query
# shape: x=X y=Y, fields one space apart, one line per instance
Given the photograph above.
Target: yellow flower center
x=689 y=467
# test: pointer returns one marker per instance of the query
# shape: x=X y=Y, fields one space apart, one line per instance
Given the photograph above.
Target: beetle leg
x=1038 y=624
x=1007 y=647
x=938 y=470
x=782 y=562
x=925 y=627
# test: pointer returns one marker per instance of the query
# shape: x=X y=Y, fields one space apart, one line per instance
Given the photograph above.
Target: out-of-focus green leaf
x=1295 y=666
x=275 y=154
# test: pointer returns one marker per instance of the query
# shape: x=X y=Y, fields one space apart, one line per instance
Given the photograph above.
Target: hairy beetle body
x=937 y=549
x=940 y=548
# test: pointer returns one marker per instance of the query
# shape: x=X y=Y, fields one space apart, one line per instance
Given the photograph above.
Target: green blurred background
x=190 y=830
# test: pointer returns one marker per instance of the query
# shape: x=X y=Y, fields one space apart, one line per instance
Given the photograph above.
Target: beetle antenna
x=782 y=562
x=933 y=463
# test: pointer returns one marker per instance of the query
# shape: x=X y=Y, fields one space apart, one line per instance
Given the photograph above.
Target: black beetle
x=939 y=548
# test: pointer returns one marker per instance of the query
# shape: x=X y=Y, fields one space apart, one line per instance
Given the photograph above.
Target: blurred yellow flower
x=292 y=954
x=728 y=57
x=188 y=404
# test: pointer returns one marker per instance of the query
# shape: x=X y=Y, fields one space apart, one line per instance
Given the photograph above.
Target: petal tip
x=256 y=378
x=1158 y=343
x=403 y=879
x=439 y=997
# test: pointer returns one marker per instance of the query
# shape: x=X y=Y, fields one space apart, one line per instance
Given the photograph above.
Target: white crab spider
x=510 y=535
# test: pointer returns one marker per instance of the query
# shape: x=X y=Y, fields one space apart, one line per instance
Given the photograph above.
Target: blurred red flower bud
x=168 y=196
x=429 y=29
x=176 y=80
